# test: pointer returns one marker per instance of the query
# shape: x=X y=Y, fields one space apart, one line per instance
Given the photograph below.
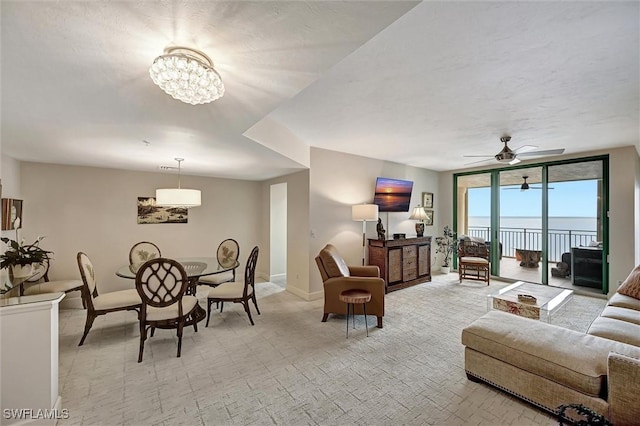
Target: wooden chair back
x=250 y=273
x=88 y=275
x=228 y=252
x=142 y=252
x=161 y=282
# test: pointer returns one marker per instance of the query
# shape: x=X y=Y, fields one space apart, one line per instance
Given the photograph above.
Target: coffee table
x=549 y=300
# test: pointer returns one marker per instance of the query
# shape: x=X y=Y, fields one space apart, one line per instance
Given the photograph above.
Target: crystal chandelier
x=187 y=75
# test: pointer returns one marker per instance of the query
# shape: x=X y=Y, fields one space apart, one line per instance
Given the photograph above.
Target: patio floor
x=510 y=269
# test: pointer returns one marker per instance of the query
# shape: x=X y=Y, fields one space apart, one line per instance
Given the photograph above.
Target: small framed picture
x=429 y=220
x=427 y=200
x=11 y=214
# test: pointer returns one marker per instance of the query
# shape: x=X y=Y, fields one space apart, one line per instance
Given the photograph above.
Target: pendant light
x=178 y=197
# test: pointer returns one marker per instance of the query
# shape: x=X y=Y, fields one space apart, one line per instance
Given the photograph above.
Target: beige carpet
x=292 y=369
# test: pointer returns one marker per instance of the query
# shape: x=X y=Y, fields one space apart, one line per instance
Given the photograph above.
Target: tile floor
x=292 y=369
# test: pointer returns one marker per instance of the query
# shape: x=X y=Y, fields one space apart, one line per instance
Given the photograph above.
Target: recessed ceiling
x=416 y=83
x=76 y=86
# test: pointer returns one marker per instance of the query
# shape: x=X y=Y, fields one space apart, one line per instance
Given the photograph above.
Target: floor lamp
x=364 y=213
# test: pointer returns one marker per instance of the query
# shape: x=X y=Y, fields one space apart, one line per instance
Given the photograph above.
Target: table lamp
x=420 y=215
x=365 y=213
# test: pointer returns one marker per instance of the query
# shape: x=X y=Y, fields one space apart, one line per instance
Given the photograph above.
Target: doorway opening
x=278 y=234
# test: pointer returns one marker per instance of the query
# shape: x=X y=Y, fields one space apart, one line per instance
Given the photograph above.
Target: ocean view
x=555 y=223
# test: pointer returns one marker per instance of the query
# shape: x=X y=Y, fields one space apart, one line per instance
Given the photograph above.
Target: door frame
x=495 y=207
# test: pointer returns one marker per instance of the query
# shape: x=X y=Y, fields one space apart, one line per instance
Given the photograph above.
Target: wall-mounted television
x=393 y=195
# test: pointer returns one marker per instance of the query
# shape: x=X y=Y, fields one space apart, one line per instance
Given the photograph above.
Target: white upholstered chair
x=237 y=291
x=39 y=283
x=227 y=254
x=101 y=304
x=162 y=284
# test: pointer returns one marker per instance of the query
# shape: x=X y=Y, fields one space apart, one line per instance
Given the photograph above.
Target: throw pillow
x=631 y=286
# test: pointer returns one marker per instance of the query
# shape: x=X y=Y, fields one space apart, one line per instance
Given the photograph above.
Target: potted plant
x=20 y=259
x=445 y=245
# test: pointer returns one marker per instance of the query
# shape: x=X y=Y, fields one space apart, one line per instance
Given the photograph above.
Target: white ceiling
x=420 y=85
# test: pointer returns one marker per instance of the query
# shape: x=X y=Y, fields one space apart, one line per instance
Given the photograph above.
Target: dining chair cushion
x=61 y=286
x=117 y=299
x=229 y=291
x=171 y=311
x=220 y=278
x=474 y=260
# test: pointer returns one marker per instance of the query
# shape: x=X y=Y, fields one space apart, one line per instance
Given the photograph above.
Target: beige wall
x=624 y=209
x=94 y=210
x=338 y=181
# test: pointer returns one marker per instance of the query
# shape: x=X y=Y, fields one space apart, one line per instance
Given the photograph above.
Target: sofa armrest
x=624 y=387
x=364 y=271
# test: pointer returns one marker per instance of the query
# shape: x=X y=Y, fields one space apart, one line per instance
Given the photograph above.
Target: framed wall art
x=427 y=200
x=148 y=212
x=429 y=220
x=11 y=214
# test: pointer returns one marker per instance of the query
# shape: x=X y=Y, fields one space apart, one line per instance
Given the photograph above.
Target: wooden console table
x=403 y=262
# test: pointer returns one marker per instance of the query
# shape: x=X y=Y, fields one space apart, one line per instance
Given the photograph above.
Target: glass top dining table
x=195 y=267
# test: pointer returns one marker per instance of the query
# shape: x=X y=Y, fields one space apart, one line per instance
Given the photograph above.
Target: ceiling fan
x=510 y=156
x=525 y=185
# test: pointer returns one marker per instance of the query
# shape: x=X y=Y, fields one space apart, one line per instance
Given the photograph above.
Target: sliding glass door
x=545 y=223
x=520 y=214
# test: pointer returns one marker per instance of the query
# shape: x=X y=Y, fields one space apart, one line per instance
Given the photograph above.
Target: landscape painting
x=148 y=212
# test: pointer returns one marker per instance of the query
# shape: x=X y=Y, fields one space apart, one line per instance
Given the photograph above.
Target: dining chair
x=237 y=291
x=161 y=284
x=40 y=284
x=101 y=304
x=143 y=251
x=227 y=254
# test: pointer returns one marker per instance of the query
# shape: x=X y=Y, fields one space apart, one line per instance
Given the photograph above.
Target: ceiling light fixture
x=187 y=75
x=178 y=197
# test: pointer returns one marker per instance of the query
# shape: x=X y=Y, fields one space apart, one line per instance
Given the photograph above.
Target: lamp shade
x=178 y=197
x=418 y=213
x=364 y=212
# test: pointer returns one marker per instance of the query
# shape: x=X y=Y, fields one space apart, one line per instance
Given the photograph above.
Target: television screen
x=393 y=195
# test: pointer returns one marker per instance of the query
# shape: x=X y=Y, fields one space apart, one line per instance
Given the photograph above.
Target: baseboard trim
x=309 y=297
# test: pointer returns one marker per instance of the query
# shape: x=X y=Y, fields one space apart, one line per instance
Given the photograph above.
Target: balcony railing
x=560 y=240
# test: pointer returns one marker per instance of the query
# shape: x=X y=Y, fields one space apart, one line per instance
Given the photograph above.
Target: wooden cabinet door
x=395 y=265
x=424 y=260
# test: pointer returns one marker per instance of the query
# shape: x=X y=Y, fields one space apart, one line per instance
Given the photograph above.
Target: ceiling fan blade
x=525 y=148
x=478 y=156
x=476 y=162
x=531 y=187
x=546 y=152
x=514 y=161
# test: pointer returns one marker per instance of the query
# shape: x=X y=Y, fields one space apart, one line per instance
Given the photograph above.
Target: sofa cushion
x=624 y=302
x=622 y=314
x=631 y=286
x=333 y=263
x=545 y=350
x=620 y=331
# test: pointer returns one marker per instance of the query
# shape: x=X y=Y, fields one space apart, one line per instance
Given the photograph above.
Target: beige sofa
x=549 y=366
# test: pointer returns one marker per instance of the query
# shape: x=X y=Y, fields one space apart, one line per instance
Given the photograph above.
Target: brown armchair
x=337 y=277
x=473 y=260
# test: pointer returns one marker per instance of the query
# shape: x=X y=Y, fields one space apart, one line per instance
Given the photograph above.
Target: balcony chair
x=473 y=260
x=41 y=284
x=237 y=291
x=101 y=304
x=227 y=254
x=161 y=284
x=337 y=277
